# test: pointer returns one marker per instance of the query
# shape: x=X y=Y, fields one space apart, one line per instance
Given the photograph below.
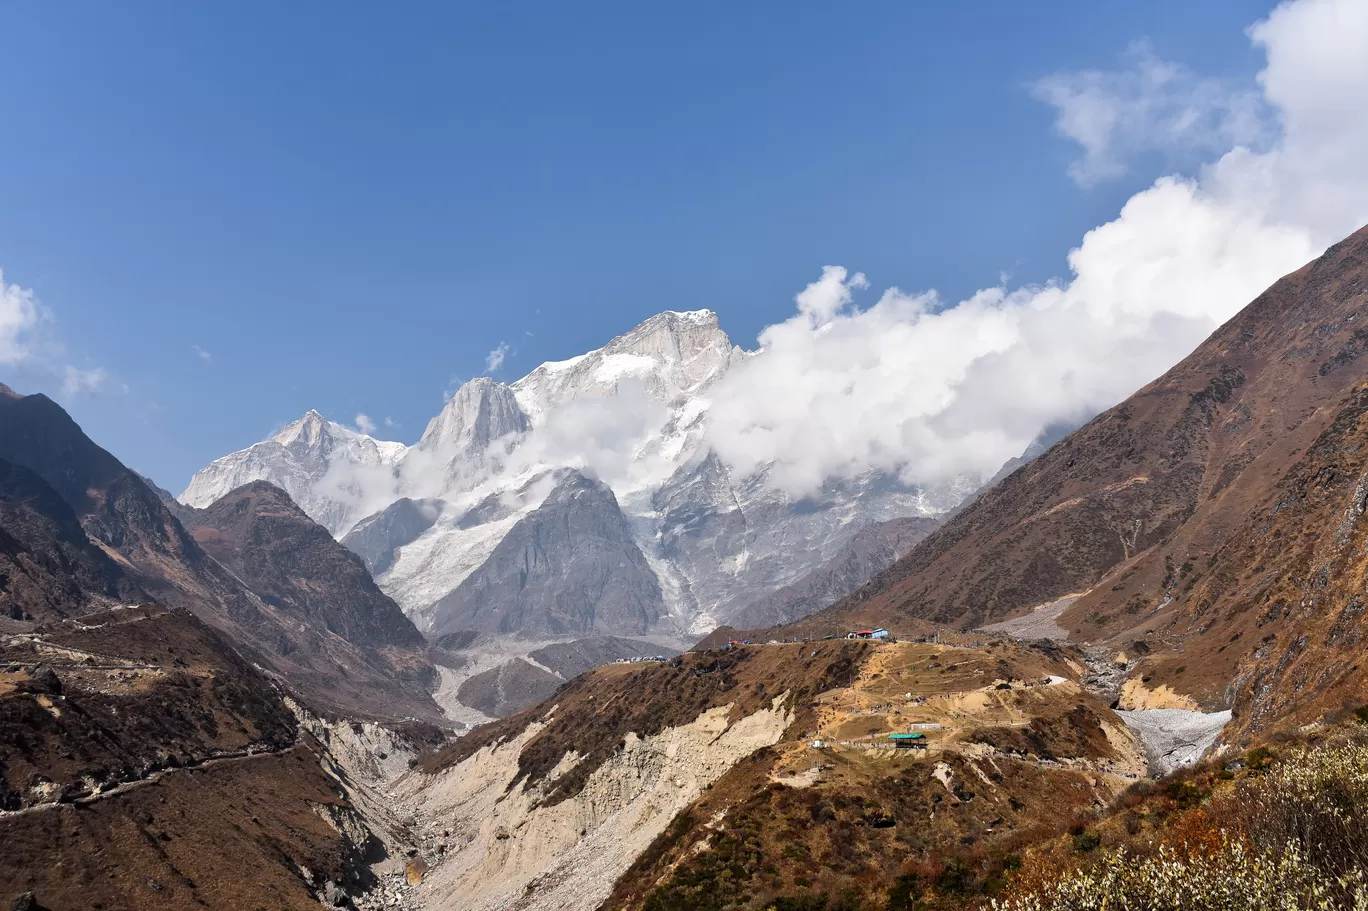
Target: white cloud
x=931 y=391
x=76 y=381
x=390 y=422
x=365 y=424
x=1153 y=105
x=203 y=355
x=495 y=359
x=20 y=316
x=28 y=346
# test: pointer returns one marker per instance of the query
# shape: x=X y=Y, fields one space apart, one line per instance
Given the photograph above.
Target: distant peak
x=309 y=428
x=7 y=392
x=678 y=318
x=693 y=316
x=478 y=389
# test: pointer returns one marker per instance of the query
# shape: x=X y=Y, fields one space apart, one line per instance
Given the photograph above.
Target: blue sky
x=347 y=208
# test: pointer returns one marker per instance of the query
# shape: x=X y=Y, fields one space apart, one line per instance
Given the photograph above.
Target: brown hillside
x=144 y=763
x=123 y=517
x=292 y=562
x=1194 y=449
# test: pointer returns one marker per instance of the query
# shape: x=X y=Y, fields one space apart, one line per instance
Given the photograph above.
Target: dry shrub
x=1294 y=837
x=1235 y=879
x=1316 y=799
x=1195 y=833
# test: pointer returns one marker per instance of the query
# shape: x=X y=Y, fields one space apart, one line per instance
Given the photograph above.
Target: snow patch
x=1174 y=738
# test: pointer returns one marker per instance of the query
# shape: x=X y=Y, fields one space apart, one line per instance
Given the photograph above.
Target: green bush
x=904 y=892
x=1087 y=841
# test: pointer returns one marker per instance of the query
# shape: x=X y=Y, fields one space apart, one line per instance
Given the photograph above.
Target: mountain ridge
x=124 y=517
x=638 y=405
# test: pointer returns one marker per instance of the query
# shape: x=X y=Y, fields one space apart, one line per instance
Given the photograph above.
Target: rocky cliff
x=873 y=549
x=293 y=564
x=569 y=568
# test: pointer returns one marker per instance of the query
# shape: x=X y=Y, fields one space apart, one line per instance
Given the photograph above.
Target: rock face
x=511 y=686
x=455 y=448
x=567 y=854
x=736 y=542
x=674 y=356
x=568 y=569
x=127 y=520
x=335 y=474
x=635 y=412
x=375 y=539
x=1210 y=523
x=296 y=566
x=873 y=549
x=49 y=569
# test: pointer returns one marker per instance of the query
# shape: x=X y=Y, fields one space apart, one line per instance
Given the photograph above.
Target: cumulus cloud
x=604 y=436
x=19 y=319
x=365 y=424
x=27 y=346
x=933 y=390
x=495 y=359
x=203 y=355
x=1151 y=105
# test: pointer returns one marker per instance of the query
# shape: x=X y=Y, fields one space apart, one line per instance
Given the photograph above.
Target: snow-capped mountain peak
x=324 y=466
x=672 y=355
x=633 y=415
x=480 y=412
x=310 y=430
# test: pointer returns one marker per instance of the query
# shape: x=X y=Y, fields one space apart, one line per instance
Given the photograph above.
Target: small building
x=878 y=633
x=908 y=741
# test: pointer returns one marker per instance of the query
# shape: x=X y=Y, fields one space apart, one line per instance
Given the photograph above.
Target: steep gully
x=1174 y=732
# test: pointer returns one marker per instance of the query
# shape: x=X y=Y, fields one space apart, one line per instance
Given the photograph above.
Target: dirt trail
x=151 y=778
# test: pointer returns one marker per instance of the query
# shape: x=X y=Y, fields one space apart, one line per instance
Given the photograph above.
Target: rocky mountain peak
x=481 y=411
x=310 y=430
x=299 y=458
x=672 y=355
x=570 y=567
